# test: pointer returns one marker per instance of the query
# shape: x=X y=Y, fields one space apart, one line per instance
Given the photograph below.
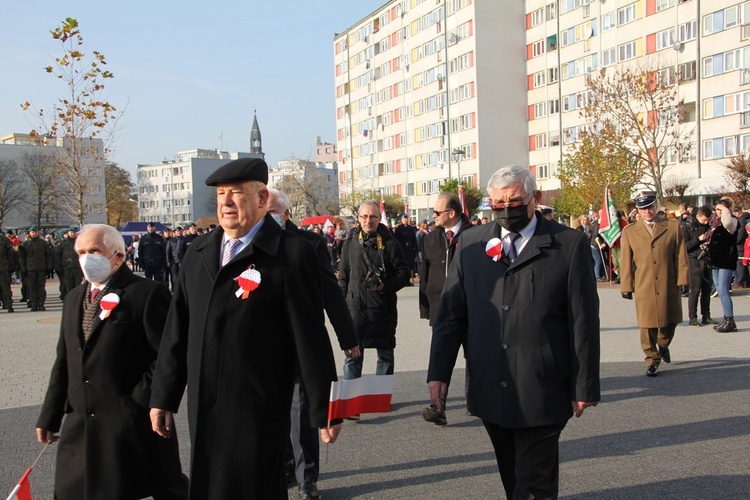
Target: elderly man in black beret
x=653 y=262
x=245 y=319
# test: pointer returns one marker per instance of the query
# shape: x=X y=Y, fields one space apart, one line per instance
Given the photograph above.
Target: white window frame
x=626 y=15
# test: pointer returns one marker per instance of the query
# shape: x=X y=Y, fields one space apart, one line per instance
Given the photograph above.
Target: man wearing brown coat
x=654 y=264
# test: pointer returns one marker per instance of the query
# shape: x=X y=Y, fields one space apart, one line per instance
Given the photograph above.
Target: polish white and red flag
x=383 y=216
x=22 y=491
x=368 y=394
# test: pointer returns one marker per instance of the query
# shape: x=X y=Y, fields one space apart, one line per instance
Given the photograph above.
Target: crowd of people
x=234 y=317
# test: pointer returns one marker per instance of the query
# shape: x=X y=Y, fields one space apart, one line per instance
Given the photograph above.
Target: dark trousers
x=741 y=278
x=174 y=271
x=528 y=460
x=153 y=273
x=700 y=285
x=303 y=451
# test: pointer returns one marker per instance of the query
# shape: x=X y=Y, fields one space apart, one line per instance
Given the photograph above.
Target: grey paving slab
x=684 y=434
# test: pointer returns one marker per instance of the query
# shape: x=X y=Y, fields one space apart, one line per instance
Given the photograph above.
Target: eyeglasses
x=502 y=205
x=437 y=213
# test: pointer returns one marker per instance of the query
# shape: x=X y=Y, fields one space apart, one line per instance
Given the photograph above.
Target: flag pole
x=24 y=477
x=39 y=456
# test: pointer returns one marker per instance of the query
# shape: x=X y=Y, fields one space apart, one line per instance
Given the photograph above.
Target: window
x=554 y=106
x=626 y=14
x=537 y=17
x=665 y=39
x=551 y=10
x=730 y=17
x=542 y=171
x=664 y=4
x=609 y=57
x=553 y=74
x=667 y=76
x=539 y=79
x=688 y=31
x=608 y=21
x=540 y=141
x=537 y=48
x=626 y=51
x=540 y=109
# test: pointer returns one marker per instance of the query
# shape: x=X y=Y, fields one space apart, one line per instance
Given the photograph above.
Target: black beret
x=244 y=169
x=178 y=228
x=151 y=224
x=645 y=201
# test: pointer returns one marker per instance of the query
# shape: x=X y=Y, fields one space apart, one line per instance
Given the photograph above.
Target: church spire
x=256 y=145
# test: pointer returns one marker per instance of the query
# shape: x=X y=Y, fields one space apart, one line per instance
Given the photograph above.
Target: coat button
x=85 y=380
x=504 y=346
x=90 y=413
x=509 y=273
x=504 y=384
x=506 y=307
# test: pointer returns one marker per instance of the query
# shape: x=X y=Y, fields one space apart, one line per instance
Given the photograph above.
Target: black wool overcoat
x=239 y=358
x=107 y=448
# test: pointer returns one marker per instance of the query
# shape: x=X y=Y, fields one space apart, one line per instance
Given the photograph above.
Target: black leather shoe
x=432 y=414
x=664 y=354
x=694 y=322
x=41 y=308
x=652 y=371
x=10 y=309
x=708 y=320
x=308 y=490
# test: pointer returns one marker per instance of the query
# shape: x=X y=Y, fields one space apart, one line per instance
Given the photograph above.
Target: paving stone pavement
x=682 y=435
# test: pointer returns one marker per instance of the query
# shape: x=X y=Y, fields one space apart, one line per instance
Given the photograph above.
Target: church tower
x=256 y=145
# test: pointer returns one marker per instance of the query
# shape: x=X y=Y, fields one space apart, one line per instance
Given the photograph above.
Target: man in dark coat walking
x=521 y=295
x=406 y=235
x=438 y=247
x=101 y=382
x=303 y=451
x=246 y=317
x=372 y=270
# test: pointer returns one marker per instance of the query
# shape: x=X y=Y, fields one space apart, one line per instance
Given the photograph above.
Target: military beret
x=178 y=228
x=34 y=228
x=242 y=170
x=151 y=224
x=645 y=201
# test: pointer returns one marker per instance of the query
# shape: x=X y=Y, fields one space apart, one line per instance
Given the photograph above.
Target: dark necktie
x=512 y=254
x=449 y=234
x=94 y=293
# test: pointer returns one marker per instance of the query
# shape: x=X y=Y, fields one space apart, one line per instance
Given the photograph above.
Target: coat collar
x=119 y=281
x=268 y=240
x=541 y=238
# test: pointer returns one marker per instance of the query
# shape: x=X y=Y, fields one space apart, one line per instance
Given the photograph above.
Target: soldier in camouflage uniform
x=72 y=273
x=8 y=265
x=37 y=261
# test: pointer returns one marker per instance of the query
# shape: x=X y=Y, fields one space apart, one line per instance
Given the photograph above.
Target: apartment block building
x=701 y=46
x=426 y=91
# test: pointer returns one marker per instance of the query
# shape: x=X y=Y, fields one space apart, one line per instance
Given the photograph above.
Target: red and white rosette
x=248 y=281
x=108 y=303
x=494 y=249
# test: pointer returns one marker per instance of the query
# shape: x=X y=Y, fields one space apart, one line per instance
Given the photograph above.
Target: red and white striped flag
x=22 y=491
x=383 y=216
x=462 y=197
x=369 y=394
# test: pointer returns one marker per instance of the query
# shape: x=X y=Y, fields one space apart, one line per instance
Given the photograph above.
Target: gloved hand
x=627 y=295
x=684 y=289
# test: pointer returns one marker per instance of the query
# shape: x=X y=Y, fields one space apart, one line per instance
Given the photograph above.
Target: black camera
x=703 y=254
x=373 y=278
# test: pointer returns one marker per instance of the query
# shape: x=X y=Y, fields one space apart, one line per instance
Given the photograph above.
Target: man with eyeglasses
x=521 y=297
x=438 y=247
x=371 y=271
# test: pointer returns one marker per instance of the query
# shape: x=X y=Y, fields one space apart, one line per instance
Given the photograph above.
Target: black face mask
x=513 y=219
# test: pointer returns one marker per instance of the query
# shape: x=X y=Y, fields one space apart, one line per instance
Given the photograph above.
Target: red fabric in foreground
x=370 y=403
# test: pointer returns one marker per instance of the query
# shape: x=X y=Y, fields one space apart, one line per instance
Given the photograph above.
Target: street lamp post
x=458 y=155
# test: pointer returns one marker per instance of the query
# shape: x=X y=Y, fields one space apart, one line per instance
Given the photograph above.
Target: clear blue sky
x=189 y=70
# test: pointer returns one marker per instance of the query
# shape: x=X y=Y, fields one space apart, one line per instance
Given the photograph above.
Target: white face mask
x=95 y=267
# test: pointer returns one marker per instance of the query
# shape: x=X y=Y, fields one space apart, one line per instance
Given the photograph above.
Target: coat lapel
x=540 y=239
x=116 y=287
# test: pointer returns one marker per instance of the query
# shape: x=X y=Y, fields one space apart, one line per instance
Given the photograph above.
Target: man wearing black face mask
x=521 y=295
